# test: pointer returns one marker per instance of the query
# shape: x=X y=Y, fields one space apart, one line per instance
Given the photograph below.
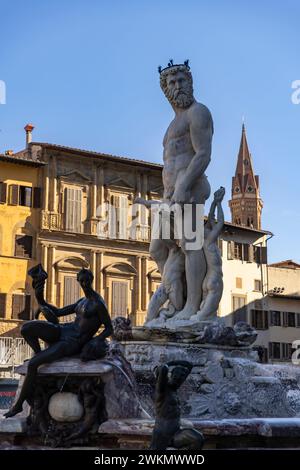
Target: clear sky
x=84 y=72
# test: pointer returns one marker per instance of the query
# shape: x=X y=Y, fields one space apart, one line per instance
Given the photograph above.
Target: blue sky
x=85 y=73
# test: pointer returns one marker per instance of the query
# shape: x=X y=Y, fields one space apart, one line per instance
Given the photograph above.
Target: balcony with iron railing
x=51 y=221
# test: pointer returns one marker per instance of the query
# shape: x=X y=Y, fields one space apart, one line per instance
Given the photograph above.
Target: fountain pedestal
x=226 y=382
x=71 y=399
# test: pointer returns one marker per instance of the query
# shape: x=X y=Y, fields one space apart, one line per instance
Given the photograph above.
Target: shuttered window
x=257 y=285
x=260 y=254
x=23 y=246
x=280 y=351
x=118 y=217
x=3 y=192
x=220 y=244
x=286 y=351
x=112 y=217
x=275 y=318
x=285 y=319
x=239 y=309
x=251 y=253
x=145 y=219
x=72 y=293
x=73 y=203
x=245 y=252
x=291 y=319
x=21 y=306
x=25 y=196
x=230 y=250
x=13 y=194
x=239 y=251
x=298 y=320
x=119 y=298
x=274 y=351
x=21 y=195
x=37 y=198
x=259 y=319
x=2 y=305
x=122 y=214
x=71 y=290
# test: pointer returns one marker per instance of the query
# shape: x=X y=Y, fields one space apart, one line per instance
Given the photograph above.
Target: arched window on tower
x=250 y=222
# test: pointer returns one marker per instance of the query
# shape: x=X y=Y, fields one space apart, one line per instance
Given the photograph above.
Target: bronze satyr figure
x=167 y=431
x=66 y=339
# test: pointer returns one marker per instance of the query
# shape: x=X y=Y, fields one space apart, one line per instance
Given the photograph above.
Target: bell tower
x=245 y=203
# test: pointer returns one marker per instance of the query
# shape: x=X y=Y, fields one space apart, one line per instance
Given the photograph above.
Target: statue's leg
x=54 y=352
x=176 y=294
x=157 y=300
x=189 y=439
x=32 y=331
x=195 y=270
x=159 y=252
x=209 y=307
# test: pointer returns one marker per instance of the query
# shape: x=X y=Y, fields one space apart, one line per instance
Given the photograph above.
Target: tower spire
x=245 y=203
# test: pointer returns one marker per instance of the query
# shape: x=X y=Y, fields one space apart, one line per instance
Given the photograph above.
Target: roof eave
x=90 y=153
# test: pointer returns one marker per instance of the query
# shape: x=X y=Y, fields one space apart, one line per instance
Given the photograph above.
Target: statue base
x=226 y=381
x=71 y=399
x=230 y=397
x=201 y=332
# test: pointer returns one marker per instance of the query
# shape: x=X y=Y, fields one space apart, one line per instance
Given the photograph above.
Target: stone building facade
x=20 y=209
x=282 y=318
x=78 y=186
x=65 y=214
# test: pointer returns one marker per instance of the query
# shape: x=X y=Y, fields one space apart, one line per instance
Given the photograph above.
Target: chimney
x=28 y=128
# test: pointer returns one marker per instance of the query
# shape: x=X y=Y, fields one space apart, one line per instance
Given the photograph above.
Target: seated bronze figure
x=65 y=339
